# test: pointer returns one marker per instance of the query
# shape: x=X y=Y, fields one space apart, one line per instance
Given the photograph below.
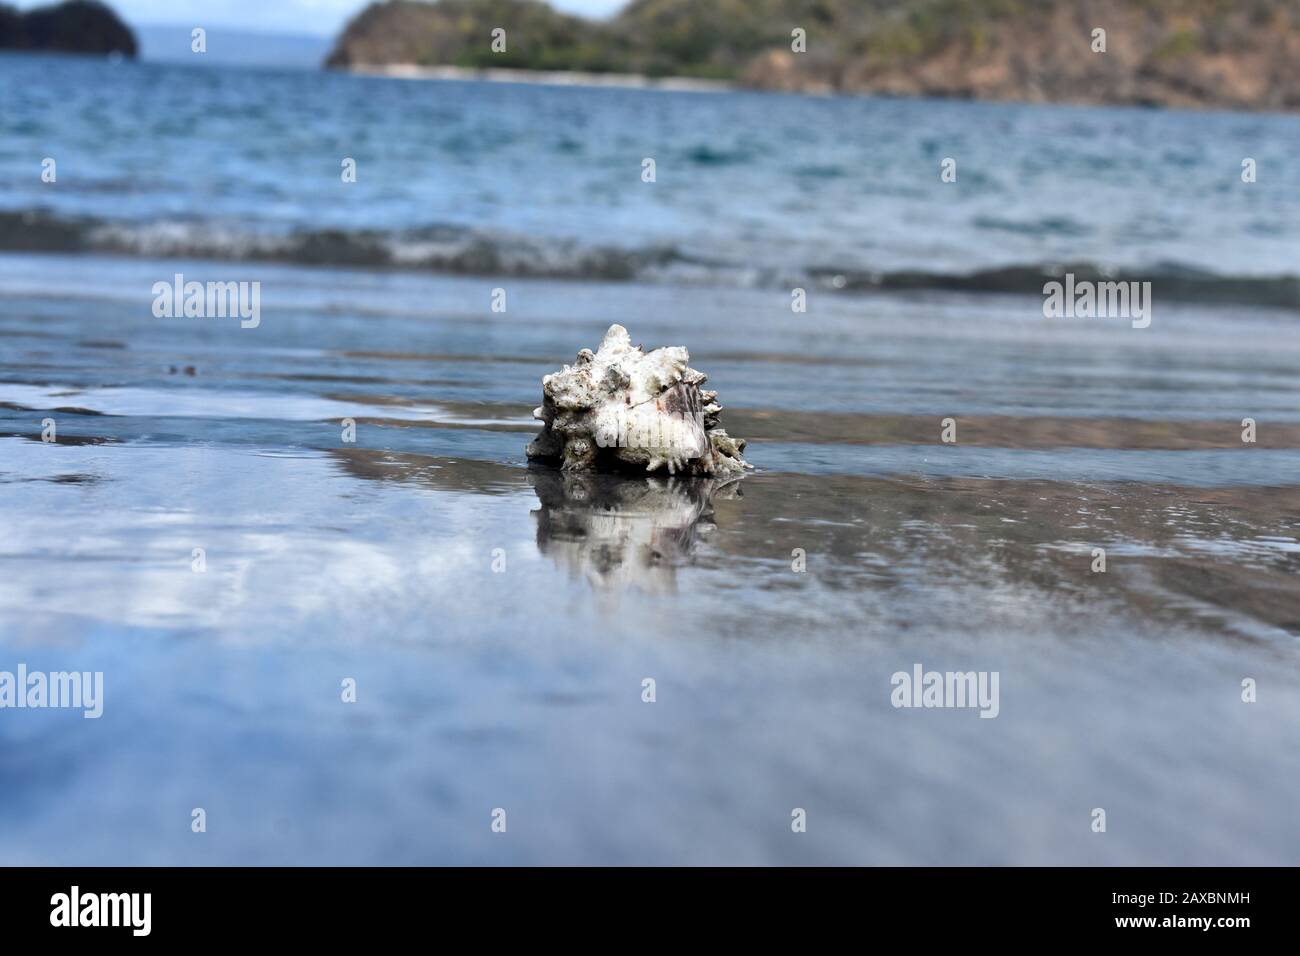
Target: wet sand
x=522 y=687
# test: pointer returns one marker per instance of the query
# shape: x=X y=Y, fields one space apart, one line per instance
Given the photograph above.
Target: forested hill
x=1209 y=53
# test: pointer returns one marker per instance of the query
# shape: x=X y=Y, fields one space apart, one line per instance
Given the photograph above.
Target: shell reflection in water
x=619 y=532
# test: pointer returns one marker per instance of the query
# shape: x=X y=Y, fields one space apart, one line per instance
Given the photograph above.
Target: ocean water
x=499 y=621
x=516 y=179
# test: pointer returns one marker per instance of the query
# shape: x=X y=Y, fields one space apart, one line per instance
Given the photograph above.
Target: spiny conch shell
x=622 y=407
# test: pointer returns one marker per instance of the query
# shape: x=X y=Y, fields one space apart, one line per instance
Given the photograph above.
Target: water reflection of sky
x=522 y=688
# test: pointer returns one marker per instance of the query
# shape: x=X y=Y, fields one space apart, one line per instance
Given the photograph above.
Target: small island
x=1176 y=53
x=77 y=26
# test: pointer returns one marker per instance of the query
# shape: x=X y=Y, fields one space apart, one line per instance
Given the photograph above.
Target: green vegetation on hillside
x=1242 y=53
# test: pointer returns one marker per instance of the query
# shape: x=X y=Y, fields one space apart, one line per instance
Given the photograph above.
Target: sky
x=320 y=17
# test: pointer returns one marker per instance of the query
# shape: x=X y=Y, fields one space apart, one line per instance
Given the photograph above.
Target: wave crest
x=458 y=250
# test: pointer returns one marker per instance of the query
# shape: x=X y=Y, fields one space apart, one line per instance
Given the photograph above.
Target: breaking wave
x=458 y=250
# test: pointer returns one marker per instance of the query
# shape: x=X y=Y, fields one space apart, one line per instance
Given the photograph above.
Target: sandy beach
x=239 y=523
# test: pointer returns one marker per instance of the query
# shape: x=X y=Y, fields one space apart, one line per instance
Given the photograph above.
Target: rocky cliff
x=78 y=26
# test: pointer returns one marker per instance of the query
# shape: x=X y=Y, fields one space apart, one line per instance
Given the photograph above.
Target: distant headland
x=77 y=26
x=1177 y=53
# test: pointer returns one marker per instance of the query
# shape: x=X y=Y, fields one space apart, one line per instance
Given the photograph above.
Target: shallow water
x=522 y=688
x=498 y=620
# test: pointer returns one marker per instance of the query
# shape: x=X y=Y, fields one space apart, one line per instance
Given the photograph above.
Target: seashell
x=622 y=407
